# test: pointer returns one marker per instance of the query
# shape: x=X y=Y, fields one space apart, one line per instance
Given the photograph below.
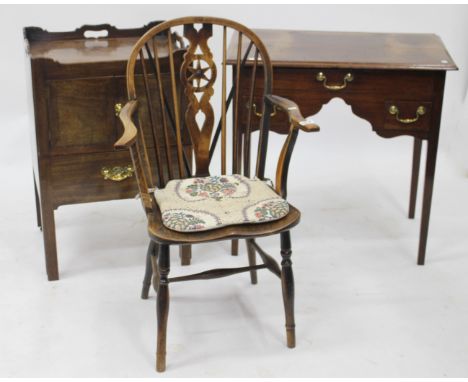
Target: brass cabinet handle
x=321 y=77
x=117 y=109
x=393 y=110
x=117 y=173
x=254 y=108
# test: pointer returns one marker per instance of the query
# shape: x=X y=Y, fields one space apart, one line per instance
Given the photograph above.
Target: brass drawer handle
x=321 y=77
x=117 y=109
x=117 y=173
x=254 y=108
x=393 y=110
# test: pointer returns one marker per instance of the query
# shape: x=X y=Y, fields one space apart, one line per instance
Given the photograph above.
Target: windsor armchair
x=187 y=207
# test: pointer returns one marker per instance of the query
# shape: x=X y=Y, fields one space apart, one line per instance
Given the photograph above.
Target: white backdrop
x=363 y=307
x=449 y=22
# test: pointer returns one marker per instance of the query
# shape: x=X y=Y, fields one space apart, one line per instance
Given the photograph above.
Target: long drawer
x=376 y=96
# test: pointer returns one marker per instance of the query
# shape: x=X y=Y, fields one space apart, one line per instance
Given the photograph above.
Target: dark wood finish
x=235 y=247
x=217 y=273
x=75 y=83
x=271 y=264
x=185 y=254
x=38 y=204
x=198 y=73
x=431 y=157
x=152 y=247
x=34 y=34
x=353 y=50
x=252 y=261
x=287 y=283
x=162 y=306
x=414 y=176
x=155 y=268
x=375 y=74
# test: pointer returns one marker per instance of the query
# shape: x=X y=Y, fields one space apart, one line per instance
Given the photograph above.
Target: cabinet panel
x=81 y=115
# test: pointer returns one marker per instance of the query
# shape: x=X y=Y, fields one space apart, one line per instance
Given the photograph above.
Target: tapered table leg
x=427 y=198
x=431 y=158
x=414 y=176
x=38 y=204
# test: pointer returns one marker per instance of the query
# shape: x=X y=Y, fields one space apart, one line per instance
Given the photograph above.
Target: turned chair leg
x=152 y=248
x=287 y=283
x=252 y=261
x=162 y=306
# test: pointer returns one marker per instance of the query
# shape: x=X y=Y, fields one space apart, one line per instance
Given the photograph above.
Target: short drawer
x=83 y=178
x=407 y=115
x=79 y=178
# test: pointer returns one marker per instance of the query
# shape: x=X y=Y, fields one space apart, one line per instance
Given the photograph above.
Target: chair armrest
x=130 y=133
x=294 y=114
x=129 y=140
x=297 y=122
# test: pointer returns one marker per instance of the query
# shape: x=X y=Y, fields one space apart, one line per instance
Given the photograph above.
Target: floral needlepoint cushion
x=200 y=204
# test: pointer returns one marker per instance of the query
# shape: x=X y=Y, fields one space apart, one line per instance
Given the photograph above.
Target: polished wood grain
x=417 y=144
x=354 y=50
x=370 y=95
x=150 y=255
x=198 y=73
x=375 y=74
x=287 y=283
x=74 y=84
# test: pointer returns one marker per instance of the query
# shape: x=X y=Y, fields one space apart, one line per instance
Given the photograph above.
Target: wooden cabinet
x=75 y=84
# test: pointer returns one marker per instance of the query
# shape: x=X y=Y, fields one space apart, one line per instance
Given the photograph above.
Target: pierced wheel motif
x=200 y=73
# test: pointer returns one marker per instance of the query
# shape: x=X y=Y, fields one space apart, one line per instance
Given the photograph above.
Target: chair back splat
x=175 y=75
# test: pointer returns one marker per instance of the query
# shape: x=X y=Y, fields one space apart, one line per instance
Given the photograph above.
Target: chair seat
x=252 y=200
x=206 y=203
x=163 y=235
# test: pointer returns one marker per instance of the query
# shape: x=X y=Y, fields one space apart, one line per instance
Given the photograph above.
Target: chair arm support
x=297 y=122
x=294 y=114
x=129 y=140
x=129 y=135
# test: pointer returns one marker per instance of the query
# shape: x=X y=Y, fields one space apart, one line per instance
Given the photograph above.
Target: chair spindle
x=223 y=105
x=248 y=130
x=149 y=101
x=162 y=101
x=236 y=149
x=175 y=99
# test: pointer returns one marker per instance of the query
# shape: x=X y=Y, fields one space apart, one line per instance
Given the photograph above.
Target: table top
x=87 y=50
x=83 y=50
x=352 y=50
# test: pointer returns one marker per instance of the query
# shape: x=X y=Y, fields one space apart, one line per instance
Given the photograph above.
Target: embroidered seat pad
x=200 y=204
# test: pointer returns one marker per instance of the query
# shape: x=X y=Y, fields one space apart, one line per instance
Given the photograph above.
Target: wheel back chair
x=186 y=207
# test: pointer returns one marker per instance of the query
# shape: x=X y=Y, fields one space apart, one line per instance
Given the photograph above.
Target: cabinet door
x=81 y=115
